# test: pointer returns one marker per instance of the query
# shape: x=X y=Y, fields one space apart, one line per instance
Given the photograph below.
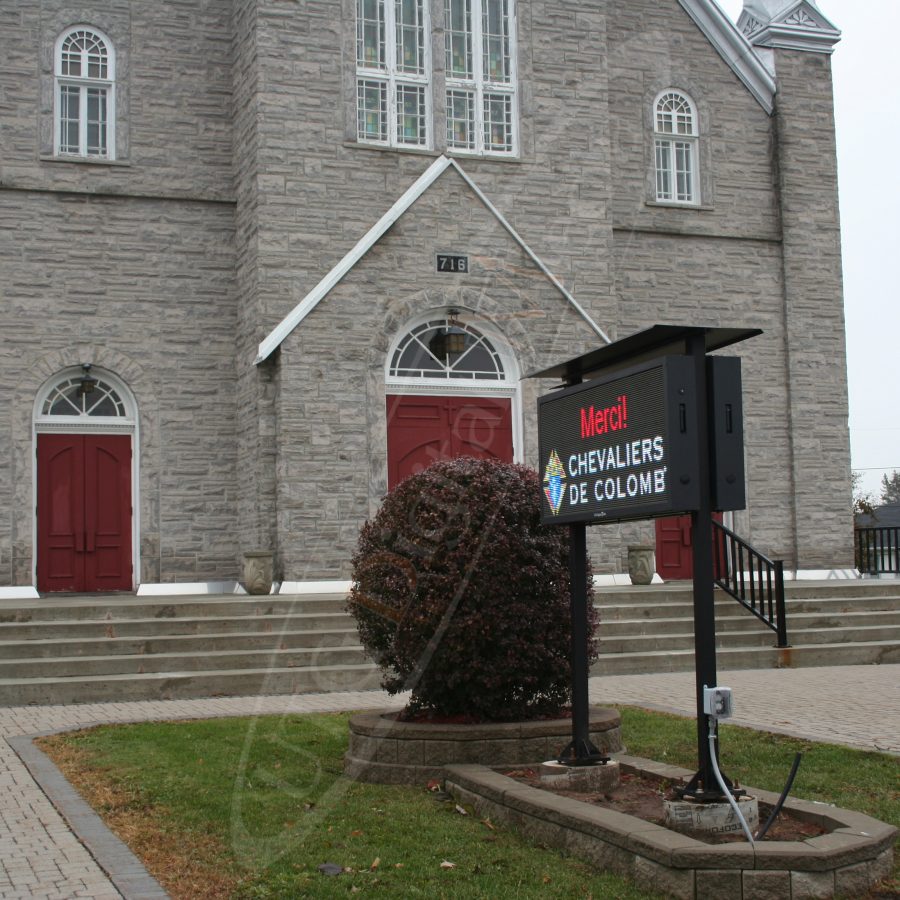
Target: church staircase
x=829 y=623
x=121 y=647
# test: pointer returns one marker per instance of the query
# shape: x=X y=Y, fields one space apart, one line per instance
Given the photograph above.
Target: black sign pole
x=580 y=752
x=704 y=596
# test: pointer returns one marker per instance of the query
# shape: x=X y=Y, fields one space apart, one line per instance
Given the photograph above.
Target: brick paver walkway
x=41 y=858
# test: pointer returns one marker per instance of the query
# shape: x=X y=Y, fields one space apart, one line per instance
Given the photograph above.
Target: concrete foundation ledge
x=384 y=750
x=855 y=854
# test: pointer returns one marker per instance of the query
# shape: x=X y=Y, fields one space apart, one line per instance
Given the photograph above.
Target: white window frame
x=83 y=83
x=509 y=385
x=478 y=85
x=387 y=74
x=674 y=143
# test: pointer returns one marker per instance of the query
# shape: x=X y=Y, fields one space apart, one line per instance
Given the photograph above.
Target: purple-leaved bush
x=462 y=596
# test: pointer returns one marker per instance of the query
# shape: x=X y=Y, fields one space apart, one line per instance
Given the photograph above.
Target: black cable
x=777 y=809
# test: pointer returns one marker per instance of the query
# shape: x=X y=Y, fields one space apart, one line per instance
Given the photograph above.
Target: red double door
x=422 y=430
x=84 y=512
x=675 y=547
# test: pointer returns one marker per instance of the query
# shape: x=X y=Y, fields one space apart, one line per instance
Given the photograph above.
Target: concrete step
x=743 y=621
x=120 y=607
x=613 y=609
x=183 y=684
x=759 y=637
x=86 y=630
x=138 y=664
x=57 y=648
x=682 y=660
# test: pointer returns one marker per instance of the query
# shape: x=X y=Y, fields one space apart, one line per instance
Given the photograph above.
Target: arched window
x=675 y=141
x=446 y=349
x=85 y=94
x=82 y=398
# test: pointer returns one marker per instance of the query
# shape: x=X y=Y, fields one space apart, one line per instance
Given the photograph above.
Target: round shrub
x=462 y=596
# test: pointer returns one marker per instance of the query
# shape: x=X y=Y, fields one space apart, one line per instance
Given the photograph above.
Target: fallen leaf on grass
x=399 y=865
x=448 y=865
x=355 y=833
x=487 y=824
x=375 y=864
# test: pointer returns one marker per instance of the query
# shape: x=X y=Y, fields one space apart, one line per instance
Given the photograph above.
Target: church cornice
x=799 y=25
x=734 y=48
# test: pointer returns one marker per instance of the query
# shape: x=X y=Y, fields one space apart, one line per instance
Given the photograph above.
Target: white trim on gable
x=799 y=25
x=734 y=48
x=271 y=343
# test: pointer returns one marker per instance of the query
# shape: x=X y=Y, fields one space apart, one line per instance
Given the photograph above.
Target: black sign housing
x=621 y=447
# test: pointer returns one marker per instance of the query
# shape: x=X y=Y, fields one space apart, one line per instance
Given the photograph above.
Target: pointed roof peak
x=788 y=24
x=275 y=338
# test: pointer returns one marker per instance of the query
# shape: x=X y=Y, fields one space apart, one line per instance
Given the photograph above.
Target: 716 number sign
x=447 y=262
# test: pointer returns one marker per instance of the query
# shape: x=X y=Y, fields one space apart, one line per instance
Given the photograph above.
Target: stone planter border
x=385 y=751
x=855 y=854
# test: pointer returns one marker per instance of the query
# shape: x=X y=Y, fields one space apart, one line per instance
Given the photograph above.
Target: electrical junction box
x=717 y=702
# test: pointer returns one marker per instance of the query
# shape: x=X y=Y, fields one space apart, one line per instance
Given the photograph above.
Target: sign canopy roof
x=659 y=340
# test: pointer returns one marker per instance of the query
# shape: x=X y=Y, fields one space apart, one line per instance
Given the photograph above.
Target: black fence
x=877 y=550
x=754 y=580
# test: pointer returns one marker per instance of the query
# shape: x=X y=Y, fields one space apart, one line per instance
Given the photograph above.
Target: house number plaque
x=448 y=262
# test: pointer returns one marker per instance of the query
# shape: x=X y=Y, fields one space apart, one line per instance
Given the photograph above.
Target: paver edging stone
x=127 y=873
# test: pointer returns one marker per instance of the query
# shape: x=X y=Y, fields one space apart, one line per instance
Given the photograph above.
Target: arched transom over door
x=84 y=430
x=449 y=394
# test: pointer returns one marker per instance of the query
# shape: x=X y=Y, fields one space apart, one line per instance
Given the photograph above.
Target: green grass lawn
x=250 y=808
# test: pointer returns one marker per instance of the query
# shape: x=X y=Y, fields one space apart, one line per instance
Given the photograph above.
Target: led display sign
x=622 y=446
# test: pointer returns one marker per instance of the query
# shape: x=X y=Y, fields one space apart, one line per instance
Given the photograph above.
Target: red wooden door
x=84 y=512
x=422 y=430
x=674 y=553
x=675 y=547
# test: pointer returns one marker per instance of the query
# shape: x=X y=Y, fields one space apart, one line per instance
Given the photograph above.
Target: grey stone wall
x=128 y=264
x=173 y=97
x=332 y=465
x=814 y=312
x=238 y=184
x=145 y=290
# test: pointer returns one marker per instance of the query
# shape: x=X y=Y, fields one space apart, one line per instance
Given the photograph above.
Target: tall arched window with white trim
x=675 y=131
x=85 y=94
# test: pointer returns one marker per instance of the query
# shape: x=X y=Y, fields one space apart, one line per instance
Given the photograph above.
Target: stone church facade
x=261 y=259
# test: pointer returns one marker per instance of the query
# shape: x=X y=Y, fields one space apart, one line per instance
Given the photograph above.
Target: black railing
x=753 y=579
x=877 y=550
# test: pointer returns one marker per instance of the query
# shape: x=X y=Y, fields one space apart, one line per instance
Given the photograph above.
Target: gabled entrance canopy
x=377 y=231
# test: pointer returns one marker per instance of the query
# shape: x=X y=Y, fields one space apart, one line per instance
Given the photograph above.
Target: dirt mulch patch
x=643 y=798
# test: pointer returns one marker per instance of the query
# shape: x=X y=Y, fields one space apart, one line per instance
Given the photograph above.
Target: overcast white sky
x=868 y=137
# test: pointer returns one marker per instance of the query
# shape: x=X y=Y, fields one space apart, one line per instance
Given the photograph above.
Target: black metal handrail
x=753 y=579
x=877 y=550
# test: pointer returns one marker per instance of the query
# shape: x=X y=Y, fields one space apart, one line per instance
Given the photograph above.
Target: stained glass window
x=480 y=72
x=392 y=84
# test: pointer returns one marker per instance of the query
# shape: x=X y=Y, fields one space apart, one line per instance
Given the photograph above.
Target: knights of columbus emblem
x=554 y=476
